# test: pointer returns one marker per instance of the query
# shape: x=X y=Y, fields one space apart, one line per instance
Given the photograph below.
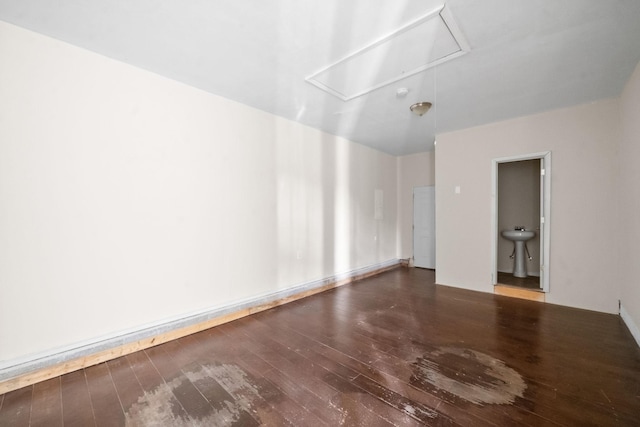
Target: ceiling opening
x=430 y=40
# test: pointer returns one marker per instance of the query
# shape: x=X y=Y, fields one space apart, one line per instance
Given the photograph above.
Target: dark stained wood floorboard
x=152 y=382
x=183 y=389
x=76 y=401
x=292 y=380
x=192 y=355
x=128 y=388
x=266 y=361
x=387 y=364
x=384 y=364
x=285 y=360
x=393 y=349
x=576 y=403
x=212 y=348
x=301 y=379
x=16 y=407
x=104 y=398
x=46 y=406
x=271 y=338
x=354 y=370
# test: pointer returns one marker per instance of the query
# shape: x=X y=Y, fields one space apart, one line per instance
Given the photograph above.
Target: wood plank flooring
x=393 y=349
x=529 y=282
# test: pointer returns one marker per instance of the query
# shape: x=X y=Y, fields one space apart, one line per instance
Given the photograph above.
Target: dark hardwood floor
x=394 y=349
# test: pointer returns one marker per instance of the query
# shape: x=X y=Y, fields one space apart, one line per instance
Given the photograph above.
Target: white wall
x=583 y=141
x=128 y=199
x=415 y=170
x=628 y=225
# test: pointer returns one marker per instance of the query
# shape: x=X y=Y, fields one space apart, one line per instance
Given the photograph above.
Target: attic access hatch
x=417 y=46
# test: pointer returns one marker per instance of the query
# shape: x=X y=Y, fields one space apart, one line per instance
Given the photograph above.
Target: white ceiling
x=524 y=56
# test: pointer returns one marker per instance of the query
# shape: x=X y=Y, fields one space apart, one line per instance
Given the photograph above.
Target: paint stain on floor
x=158 y=407
x=469 y=375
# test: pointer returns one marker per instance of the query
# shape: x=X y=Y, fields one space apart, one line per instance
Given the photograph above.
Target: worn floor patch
x=470 y=375
x=161 y=408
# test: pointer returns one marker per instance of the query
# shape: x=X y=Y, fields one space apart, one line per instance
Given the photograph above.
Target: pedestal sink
x=518 y=237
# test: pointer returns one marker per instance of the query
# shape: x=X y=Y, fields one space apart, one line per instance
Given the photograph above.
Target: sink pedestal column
x=518 y=237
x=519 y=264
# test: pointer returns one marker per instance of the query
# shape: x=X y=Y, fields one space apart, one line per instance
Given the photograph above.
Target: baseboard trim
x=631 y=325
x=18 y=374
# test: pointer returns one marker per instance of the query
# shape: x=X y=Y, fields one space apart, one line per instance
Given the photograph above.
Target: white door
x=424 y=227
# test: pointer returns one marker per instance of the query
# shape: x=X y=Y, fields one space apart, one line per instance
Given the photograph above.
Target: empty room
x=307 y=213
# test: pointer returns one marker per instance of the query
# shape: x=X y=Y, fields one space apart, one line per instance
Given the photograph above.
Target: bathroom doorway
x=521 y=202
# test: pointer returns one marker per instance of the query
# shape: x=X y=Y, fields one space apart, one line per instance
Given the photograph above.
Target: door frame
x=545 y=214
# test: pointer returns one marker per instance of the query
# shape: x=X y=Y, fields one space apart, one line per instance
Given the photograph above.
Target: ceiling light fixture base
x=420 y=108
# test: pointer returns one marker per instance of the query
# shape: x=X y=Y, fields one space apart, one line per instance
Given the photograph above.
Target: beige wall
x=519 y=205
x=416 y=170
x=127 y=199
x=583 y=251
x=628 y=225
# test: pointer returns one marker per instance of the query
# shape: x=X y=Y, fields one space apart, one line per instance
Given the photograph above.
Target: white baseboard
x=633 y=328
x=35 y=362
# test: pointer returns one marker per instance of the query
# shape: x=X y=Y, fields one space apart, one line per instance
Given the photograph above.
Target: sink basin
x=518 y=235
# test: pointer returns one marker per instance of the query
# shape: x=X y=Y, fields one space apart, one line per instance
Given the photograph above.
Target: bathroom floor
x=530 y=282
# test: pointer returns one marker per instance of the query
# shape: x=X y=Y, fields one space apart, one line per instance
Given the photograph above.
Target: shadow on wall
x=326 y=219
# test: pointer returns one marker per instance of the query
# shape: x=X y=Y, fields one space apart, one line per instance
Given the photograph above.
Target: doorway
x=424 y=227
x=521 y=199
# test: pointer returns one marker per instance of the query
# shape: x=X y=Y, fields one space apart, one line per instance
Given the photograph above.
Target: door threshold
x=517 y=292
